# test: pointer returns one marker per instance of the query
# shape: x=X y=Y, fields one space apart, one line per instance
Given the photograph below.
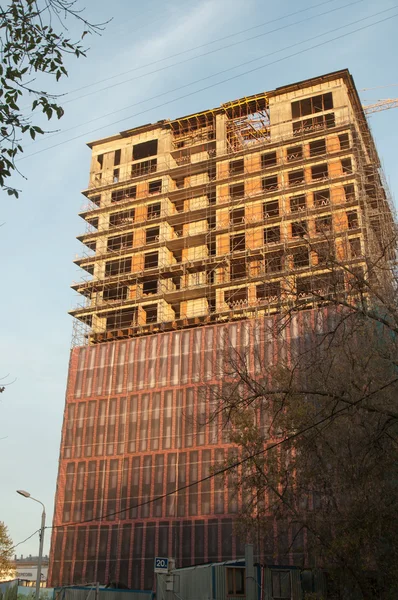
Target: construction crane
x=380 y=105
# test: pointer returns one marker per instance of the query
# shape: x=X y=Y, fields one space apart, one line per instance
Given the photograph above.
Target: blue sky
x=37 y=238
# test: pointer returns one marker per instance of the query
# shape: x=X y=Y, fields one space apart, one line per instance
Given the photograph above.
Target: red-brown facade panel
x=138 y=424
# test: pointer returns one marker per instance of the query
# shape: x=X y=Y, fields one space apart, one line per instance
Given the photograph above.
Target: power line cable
x=234 y=465
x=182 y=62
x=181 y=87
x=148 y=22
x=233 y=77
x=26 y=539
x=378 y=87
x=136 y=16
x=61 y=132
x=183 y=52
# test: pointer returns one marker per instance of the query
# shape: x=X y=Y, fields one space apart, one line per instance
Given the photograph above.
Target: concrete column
x=251 y=582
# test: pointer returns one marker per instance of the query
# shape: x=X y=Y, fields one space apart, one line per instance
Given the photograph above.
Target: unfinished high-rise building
x=197 y=228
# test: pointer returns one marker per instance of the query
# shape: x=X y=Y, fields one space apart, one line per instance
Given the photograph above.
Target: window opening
x=324 y=252
x=212 y=304
x=301 y=257
x=212 y=173
x=349 y=192
x=155 y=187
x=269 y=291
x=236 y=298
x=143 y=168
x=299 y=228
x=145 y=149
x=355 y=247
x=96 y=199
x=344 y=140
x=237 y=216
x=237 y=242
x=178 y=230
x=308 y=106
x=268 y=160
x=120 y=242
x=318 y=147
x=270 y=209
x=238 y=269
x=237 y=191
x=296 y=177
x=236 y=166
x=272 y=235
x=180 y=183
x=116 y=267
x=211 y=246
x=294 y=153
x=319 y=172
x=322 y=198
x=93 y=222
x=115 y=293
x=122 y=218
x=210 y=277
x=323 y=224
x=270 y=183
x=297 y=203
x=122 y=318
x=212 y=198
x=352 y=219
x=179 y=205
x=150 y=287
x=274 y=262
x=153 y=210
x=119 y=195
x=151 y=311
x=152 y=235
x=346 y=166
x=235 y=581
x=151 y=260
x=314 y=124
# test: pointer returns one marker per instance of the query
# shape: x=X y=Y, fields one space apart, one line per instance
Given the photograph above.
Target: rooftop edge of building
x=343 y=73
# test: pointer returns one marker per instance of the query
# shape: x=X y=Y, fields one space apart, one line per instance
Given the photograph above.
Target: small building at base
x=231 y=580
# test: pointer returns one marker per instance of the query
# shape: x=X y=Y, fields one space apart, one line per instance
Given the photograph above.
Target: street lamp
x=42 y=527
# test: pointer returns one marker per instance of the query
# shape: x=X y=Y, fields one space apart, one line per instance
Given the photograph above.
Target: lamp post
x=42 y=527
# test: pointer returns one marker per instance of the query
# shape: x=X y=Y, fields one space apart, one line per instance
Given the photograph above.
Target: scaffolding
x=248 y=122
x=251 y=213
x=238 y=218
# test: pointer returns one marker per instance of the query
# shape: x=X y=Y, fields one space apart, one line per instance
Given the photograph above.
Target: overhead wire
x=223 y=470
x=234 y=76
x=183 y=52
x=378 y=87
x=238 y=463
x=268 y=448
x=162 y=69
x=182 y=62
x=140 y=28
x=26 y=539
x=180 y=87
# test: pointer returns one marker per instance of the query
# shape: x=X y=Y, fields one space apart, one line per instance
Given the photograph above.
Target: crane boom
x=381 y=105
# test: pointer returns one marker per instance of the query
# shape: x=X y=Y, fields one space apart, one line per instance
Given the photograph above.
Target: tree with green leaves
x=34 y=43
x=6 y=549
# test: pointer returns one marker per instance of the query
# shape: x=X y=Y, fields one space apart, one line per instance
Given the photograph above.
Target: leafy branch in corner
x=34 y=41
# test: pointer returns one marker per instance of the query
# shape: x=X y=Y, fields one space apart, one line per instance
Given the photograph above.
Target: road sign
x=161 y=565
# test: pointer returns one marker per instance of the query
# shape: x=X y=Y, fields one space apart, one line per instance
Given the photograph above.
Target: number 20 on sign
x=161 y=565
